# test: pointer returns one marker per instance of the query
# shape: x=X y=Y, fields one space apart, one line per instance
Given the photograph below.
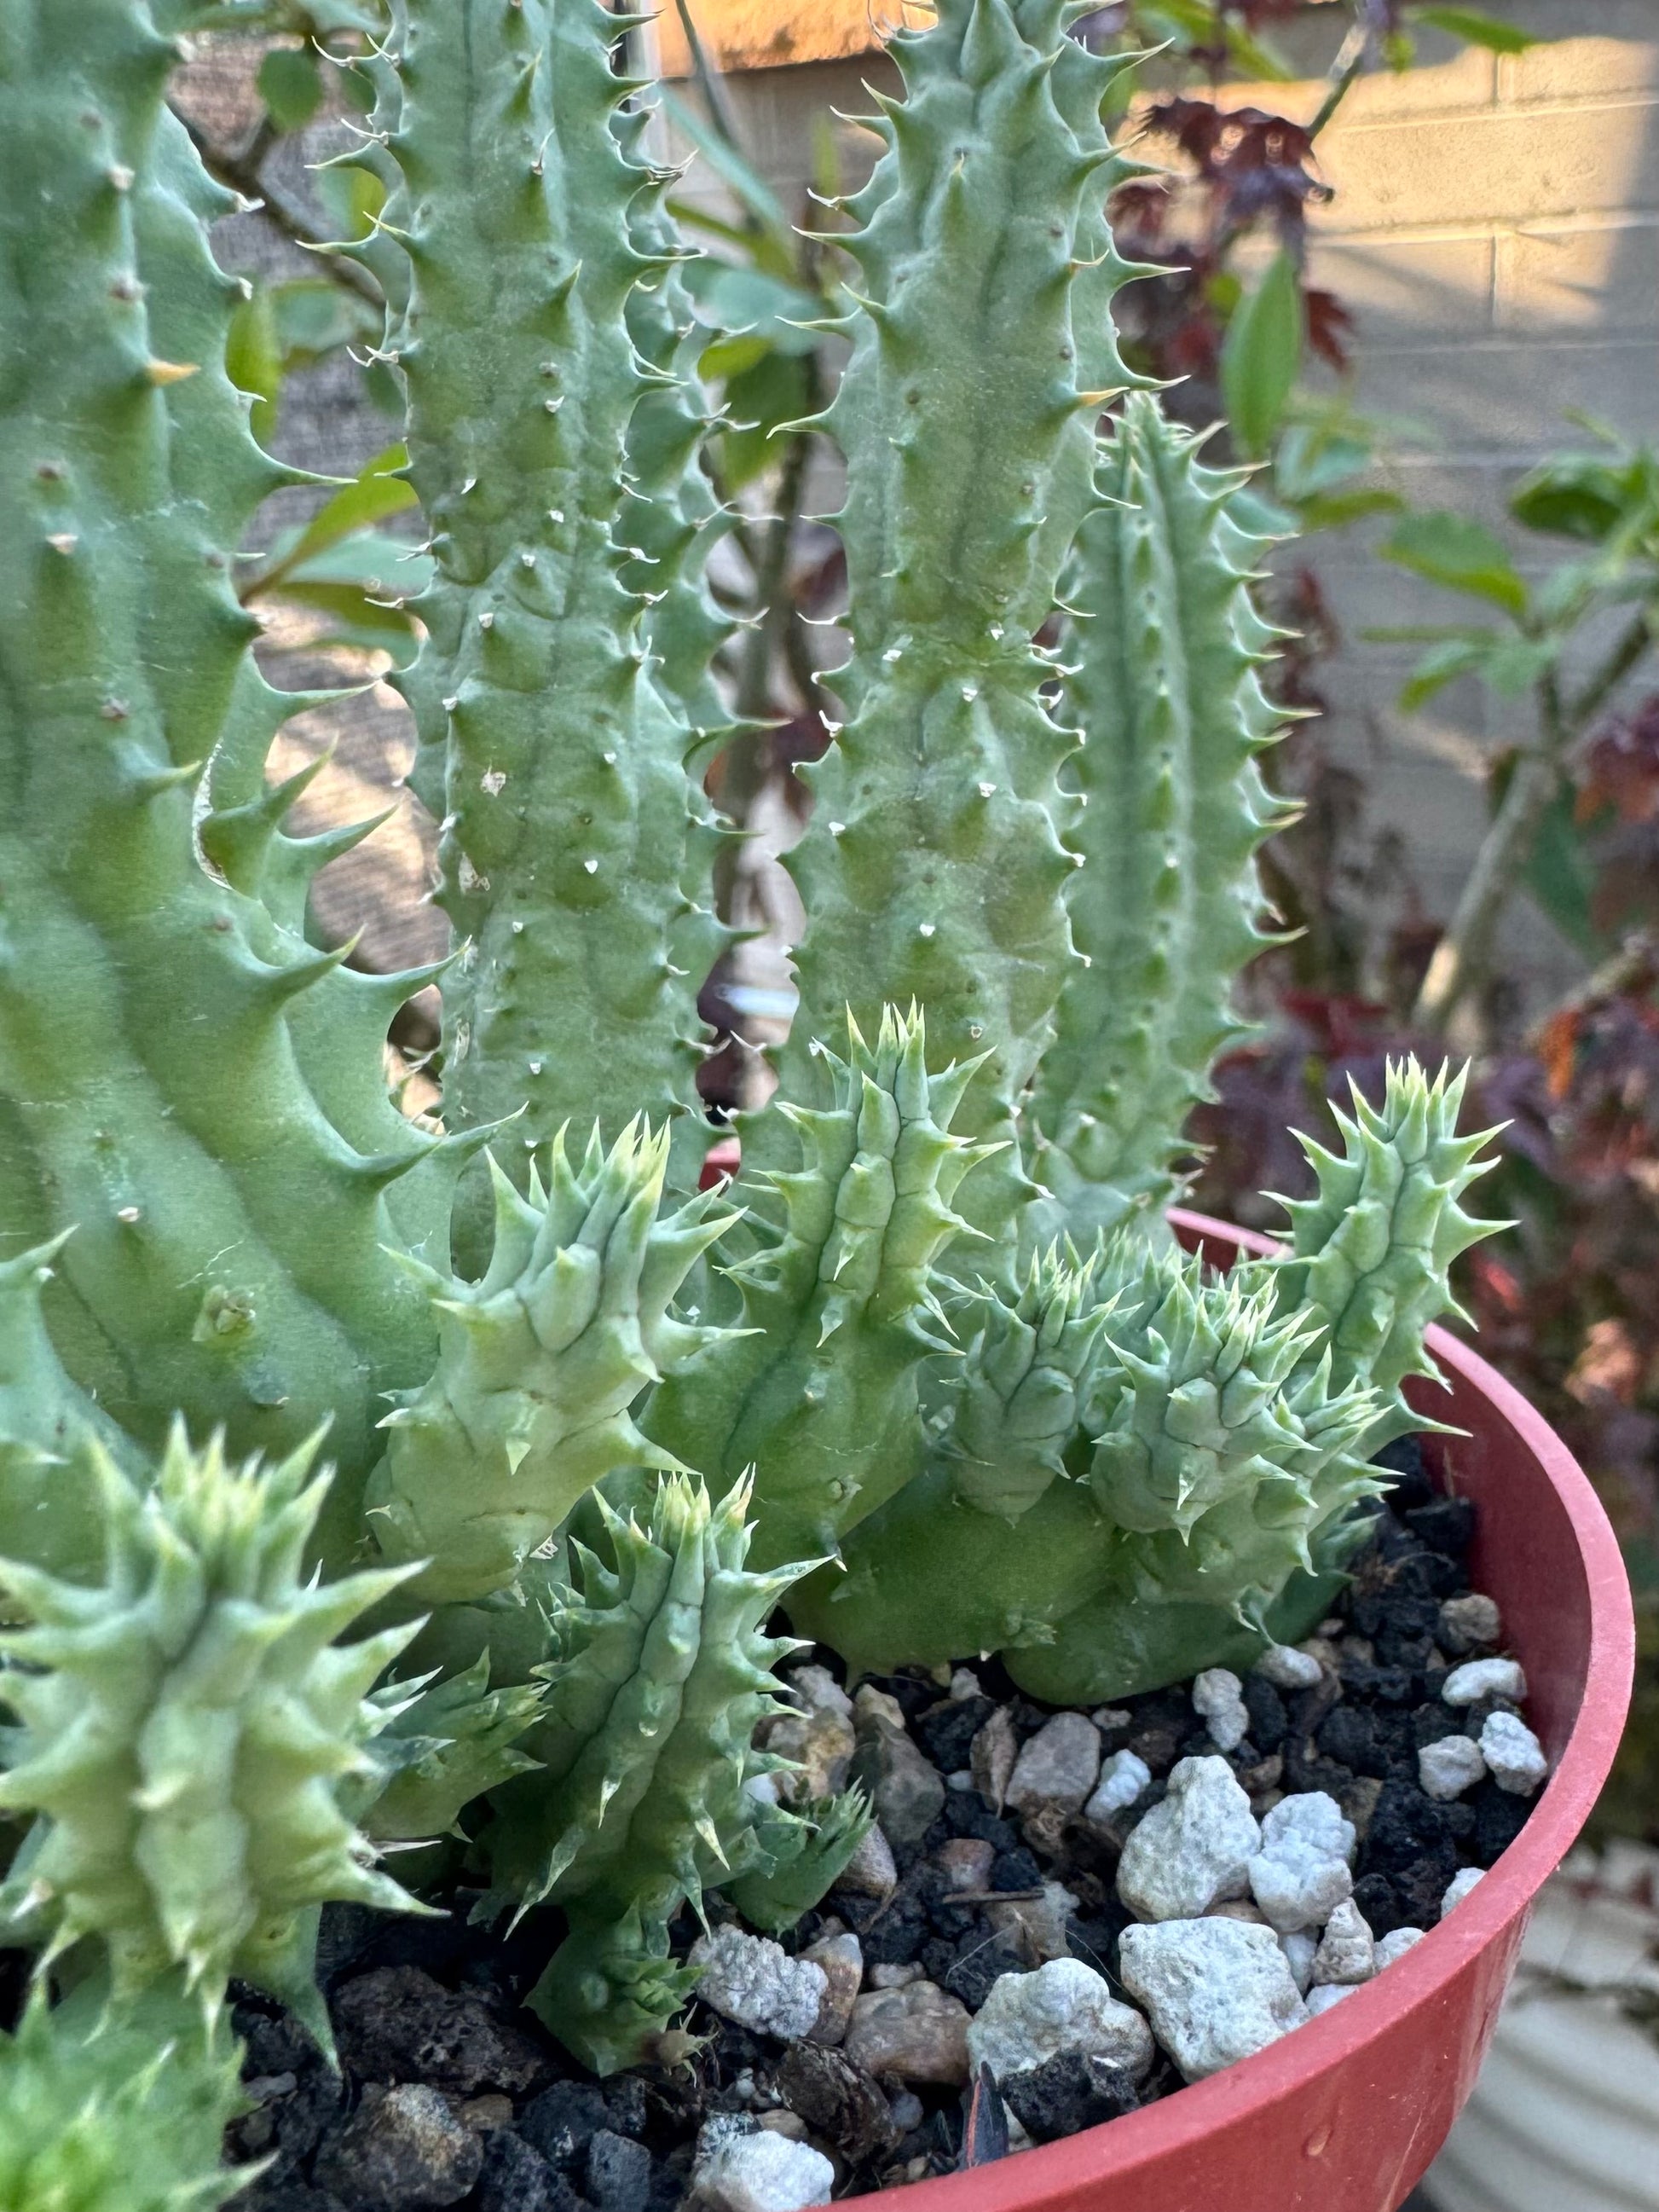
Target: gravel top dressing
x=1061 y=1916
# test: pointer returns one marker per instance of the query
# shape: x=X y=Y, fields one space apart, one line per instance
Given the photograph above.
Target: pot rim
x=1052 y=2171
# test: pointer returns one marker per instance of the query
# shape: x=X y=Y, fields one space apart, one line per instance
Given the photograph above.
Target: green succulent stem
x=937 y=859
x=661 y=1671
x=1165 y=654
x=817 y=1391
x=573 y=847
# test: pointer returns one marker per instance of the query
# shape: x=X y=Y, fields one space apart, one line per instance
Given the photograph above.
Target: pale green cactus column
x=1164 y=653
x=184 y=1082
x=575 y=851
x=936 y=861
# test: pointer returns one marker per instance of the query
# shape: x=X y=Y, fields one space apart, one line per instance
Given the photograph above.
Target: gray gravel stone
x=1513 y=1754
x=872 y=1871
x=760 y=2172
x=906 y=1790
x=1301 y=1874
x=1459 y=1887
x=1347 y=1951
x=1483 y=1678
x=1218 y=1699
x=1124 y=1781
x=916 y=2033
x=1287 y=1669
x=1395 y=1944
x=820 y=1736
x=1327 y=1994
x=1215 y=1991
x=754 y=1982
x=1057 y=1767
x=403 y=2150
x=1468 y=1622
x=1195 y=1846
x=1063 y=2006
x=1447 y=1768
x=841 y=1961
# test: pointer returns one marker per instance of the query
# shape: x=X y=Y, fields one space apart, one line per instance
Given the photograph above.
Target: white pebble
x=758 y=2173
x=1215 y=1991
x=1458 y=1888
x=1446 y=1769
x=1287 y=1669
x=1347 y=1951
x=1301 y=1874
x=1216 y=1698
x=1327 y=1995
x=1483 y=1678
x=1193 y=1848
x=1124 y=1780
x=1395 y=1944
x=1300 y=1947
x=1063 y=2006
x=754 y=1982
x=1514 y=1755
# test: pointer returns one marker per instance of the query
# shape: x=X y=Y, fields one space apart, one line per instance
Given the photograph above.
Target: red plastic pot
x=1344 y=2115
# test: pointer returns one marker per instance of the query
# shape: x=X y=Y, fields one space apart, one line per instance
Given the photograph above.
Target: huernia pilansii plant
x=929 y=1378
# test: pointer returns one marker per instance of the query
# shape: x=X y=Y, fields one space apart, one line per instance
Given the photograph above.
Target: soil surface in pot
x=1007 y=1833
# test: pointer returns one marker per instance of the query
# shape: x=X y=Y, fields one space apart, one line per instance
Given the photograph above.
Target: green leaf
x=750 y=187
x=1333 y=510
x=372 y=495
x=315 y=317
x=747 y=302
x=253 y=358
x=1464 y=556
x=1512 y=667
x=774 y=391
x=1455 y=657
x=1561 y=876
x=1476 y=28
x=357 y=620
x=1261 y=355
x=291 y=86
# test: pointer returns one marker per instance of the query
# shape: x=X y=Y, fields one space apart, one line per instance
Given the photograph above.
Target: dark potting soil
x=451 y=2092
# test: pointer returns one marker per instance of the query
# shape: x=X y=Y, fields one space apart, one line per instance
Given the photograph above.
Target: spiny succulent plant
x=976 y=1434
x=1218 y=1455
x=575 y=850
x=538 y=1364
x=662 y=1671
x=98 y=2116
x=818 y=1392
x=936 y=861
x=186 y=1724
x=1372 y=1254
x=1164 y=652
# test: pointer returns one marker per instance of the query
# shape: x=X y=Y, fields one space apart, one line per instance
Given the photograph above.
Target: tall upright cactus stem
x=661 y=1673
x=555 y=763
x=1162 y=679
x=229 y=1252
x=1370 y=1255
x=538 y=1366
x=186 y=1724
x=818 y=1393
x=935 y=863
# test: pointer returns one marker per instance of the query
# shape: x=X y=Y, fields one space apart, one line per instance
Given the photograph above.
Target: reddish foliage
x=1621 y=765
